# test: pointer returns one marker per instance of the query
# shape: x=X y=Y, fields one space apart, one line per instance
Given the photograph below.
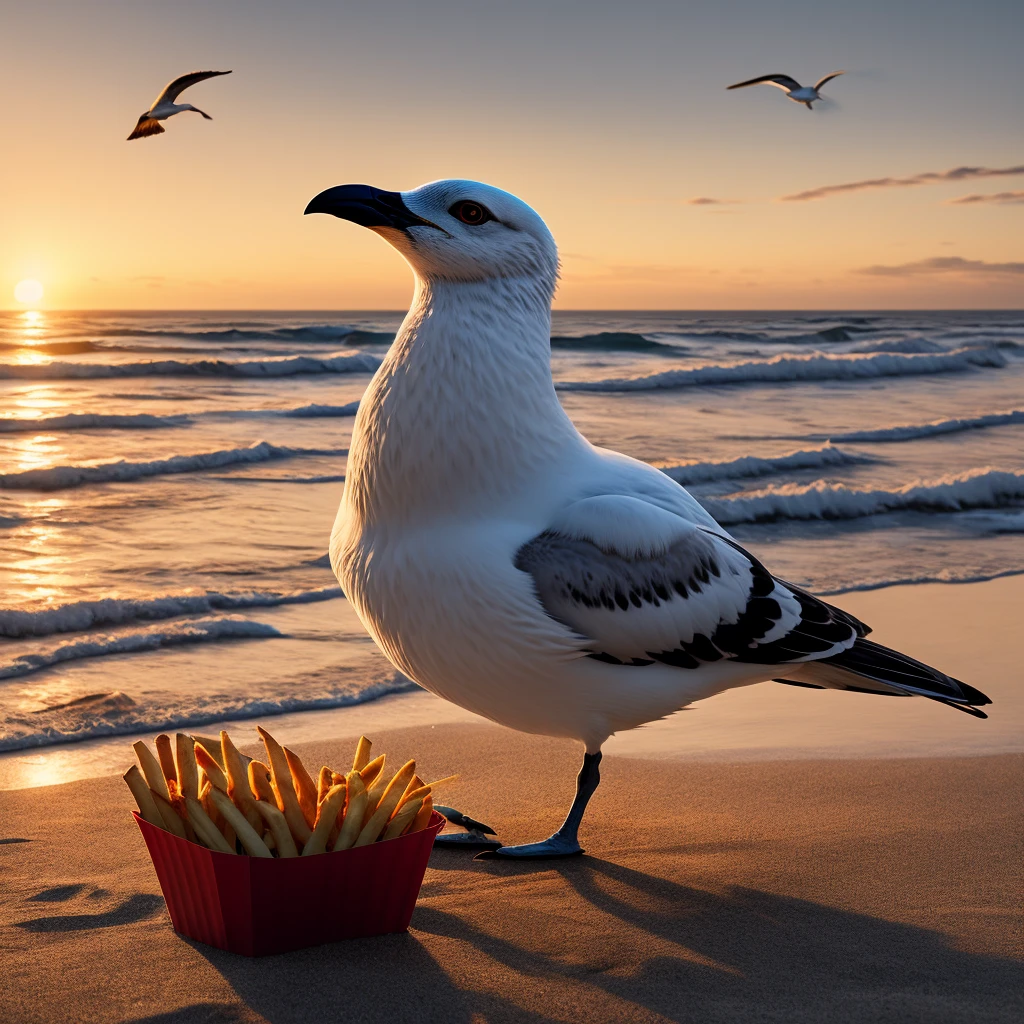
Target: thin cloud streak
x=995 y=198
x=943 y=265
x=924 y=178
x=710 y=201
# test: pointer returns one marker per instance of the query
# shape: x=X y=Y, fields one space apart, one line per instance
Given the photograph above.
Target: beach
x=742 y=885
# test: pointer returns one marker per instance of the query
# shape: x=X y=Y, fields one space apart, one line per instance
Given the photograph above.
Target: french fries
x=205 y=791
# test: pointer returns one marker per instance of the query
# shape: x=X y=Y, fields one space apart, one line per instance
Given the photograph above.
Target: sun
x=28 y=292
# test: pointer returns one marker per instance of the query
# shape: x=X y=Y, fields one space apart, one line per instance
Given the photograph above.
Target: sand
x=852 y=890
x=773 y=855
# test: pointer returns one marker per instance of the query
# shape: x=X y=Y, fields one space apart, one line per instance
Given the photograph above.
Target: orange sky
x=609 y=120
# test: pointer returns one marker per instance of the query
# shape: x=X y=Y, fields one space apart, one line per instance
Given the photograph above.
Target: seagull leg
x=565 y=842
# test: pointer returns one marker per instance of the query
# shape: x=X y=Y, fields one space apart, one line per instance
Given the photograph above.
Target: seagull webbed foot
x=556 y=846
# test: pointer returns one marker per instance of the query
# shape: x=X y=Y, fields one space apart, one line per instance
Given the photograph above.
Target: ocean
x=168 y=482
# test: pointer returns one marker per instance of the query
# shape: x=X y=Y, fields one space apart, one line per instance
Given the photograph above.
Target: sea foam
x=750 y=465
x=977 y=488
x=114 y=611
x=193 y=632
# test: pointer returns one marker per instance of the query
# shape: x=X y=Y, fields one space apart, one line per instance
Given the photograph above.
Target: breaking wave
x=787 y=369
x=613 y=341
x=812 y=458
x=90 y=421
x=58 y=478
x=314 y=411
x=195 y=632
x=114 y=611
x=355 y=362
x=329 y=333
x=911 y=431
x=977 y=488
x=117 y=714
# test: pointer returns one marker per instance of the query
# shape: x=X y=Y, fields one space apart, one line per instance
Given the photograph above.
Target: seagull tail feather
x=868 y=667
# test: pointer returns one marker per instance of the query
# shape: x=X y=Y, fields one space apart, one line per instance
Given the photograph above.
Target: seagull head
x=452 y=230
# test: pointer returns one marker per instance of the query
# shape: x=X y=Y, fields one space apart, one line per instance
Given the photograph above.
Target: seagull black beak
x=368 y=206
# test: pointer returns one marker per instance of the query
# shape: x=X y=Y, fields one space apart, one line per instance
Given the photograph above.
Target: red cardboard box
x=255 y=906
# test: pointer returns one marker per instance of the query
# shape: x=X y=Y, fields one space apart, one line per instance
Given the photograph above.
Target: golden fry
x=212 y=746
x=185 y=762
x=317 y=842
x=278 y=828
x=169 y=816
x=143 y=796
x=259 y=782
x=388 y=802
x=247 y=836
x=370 y=772
x=212 y=769
x=362 y=758
x=323 y=784
x=353 y=822
x=238 y=783
x=305 y=787
x=337 y=779
x=204 y=827
x=166 y=755
x=284 y=788
x=151 y=769
x=423 y=817
x=404 y=818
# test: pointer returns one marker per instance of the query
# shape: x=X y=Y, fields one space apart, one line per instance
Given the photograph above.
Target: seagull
x=805 y=94
x=164 y=106
x=509 y=566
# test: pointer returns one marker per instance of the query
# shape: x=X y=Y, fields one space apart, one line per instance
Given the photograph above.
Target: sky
x=609 y=119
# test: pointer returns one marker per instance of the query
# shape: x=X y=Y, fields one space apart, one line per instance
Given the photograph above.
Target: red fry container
x=256 y=907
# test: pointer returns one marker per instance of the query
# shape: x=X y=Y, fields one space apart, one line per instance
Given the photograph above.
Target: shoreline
x=765 y=722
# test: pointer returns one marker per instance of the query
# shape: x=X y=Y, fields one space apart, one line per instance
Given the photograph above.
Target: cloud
x=924 y=178
x=943 y=265
x=999 y=198
x=709 y=201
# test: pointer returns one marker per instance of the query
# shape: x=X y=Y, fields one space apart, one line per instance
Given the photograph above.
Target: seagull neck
x=463 y=405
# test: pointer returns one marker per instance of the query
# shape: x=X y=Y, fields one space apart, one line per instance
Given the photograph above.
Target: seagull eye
x=470 y=213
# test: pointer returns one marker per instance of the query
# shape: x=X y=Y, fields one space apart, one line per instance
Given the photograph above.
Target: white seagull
x=164 y=106
x=505 y=563
x=805 y=94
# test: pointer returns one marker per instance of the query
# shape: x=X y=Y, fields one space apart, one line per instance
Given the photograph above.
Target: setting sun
x=28 y=291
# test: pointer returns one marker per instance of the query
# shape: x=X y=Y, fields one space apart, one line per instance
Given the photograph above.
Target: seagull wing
x=146 y=126
x=174 y=89
x=779 y=81
x=640 y=585
x=827 y=78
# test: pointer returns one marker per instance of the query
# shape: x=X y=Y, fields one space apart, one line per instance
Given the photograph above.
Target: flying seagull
x=805 y=94
x=164 y=106
x=509 y=566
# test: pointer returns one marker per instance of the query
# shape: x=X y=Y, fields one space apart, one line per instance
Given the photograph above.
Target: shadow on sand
x=630 y=946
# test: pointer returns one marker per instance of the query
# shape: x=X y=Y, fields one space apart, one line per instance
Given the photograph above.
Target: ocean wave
x=912 y=431
x=788 y=369
x=290 y=366
x=750 y=465
x=90 y=421
x=195 y=632
x=977 y=488
x=945 y=576
x=314 y=411
x=115 y=611
x=912 y=346
x=329 y=333
x=58 y=478
x=613 y=341
x=116 y=714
